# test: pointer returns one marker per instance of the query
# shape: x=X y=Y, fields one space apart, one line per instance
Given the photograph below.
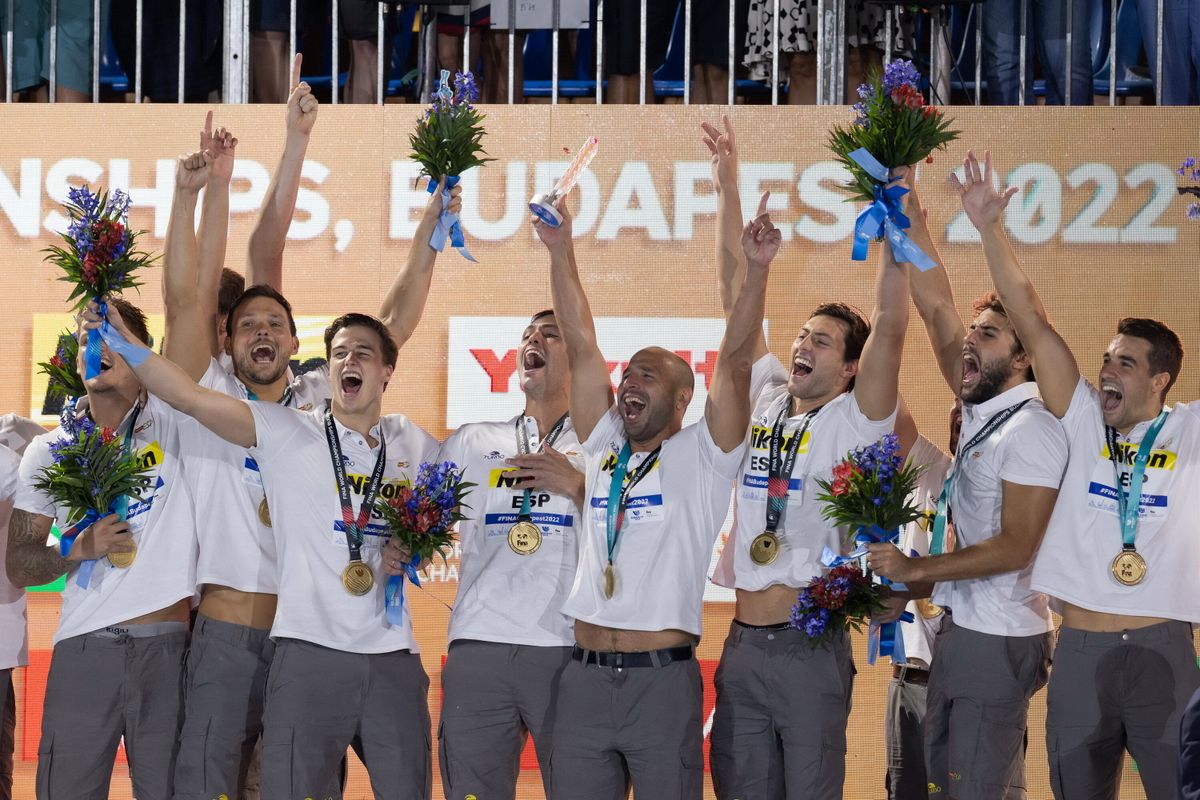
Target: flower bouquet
x=1190 y=170
x=842 y=599
x=870 y=494
x=446 y=144
x=421 y=517
x=893 y=127
x=92 y=475
x=100 y=257
x=64 y=379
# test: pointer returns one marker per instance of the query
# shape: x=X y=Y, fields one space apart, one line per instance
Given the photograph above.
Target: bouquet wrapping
x=870 y=494
x=893 y=127
x=446 y=143
x=421 y=517
x=92 y=474
x=100 y=256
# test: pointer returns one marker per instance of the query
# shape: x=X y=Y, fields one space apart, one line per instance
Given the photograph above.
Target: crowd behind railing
x=996 y=52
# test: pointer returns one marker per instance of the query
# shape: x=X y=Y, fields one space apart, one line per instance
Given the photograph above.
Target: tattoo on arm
x=30 y=561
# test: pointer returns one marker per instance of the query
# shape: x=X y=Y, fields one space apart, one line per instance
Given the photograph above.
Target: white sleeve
x=10 y=474
x=274 y=427
x=36 y=458
x=1084 y=407
x=1034 y=451
x=766 y=373
x=608 y=428
x=870 y=429
x=724 y=466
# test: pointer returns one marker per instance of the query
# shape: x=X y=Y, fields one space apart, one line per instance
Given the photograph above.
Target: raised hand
x=301 y=105
x=109 y=534
x=221 y=147
x=433 y=208
x=724 y=153
x=550 y=471
x=980 y=199
x=760 y=237
x=555 y=237
x=192 y=171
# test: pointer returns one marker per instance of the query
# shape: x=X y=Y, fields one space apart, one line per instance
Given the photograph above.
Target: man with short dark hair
x=629 y=703
x=238 y=544
x=118 y=652
x=341 y=672
x=779 y=728
x=994 y=642
x=509 y=639
x=1122 y=550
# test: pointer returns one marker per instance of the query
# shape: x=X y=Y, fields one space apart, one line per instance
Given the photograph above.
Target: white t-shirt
x=1030 y=449
x=1084 y=536
x=236 y=548
x=15 y=433
x=503 y=596
x=162 y=523
x=838 y=427
x=672 y=519
x=918 y=634
x=310 y=537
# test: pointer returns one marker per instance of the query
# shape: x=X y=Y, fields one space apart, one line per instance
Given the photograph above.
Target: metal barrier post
x=687 y=52
x=95 y=51
x=1158 y=57
x=1070 y=63
x=732 y=85
x=53 y=50
x=380 y=87
x=642 y=55
x=555 y=21
x=775 y=49
x=1112 y=54
x=1023 y=55
x=333 y=54
x=183 y=49
x=137 y=58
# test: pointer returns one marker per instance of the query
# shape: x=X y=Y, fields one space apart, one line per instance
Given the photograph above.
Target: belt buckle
x=618 y=660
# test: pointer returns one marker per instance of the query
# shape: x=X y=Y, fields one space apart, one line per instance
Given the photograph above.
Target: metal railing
x=829 y=30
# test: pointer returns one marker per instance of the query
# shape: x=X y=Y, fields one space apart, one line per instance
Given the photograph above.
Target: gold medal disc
x=264 y=513
x=764 y=549
x=123 y=560
x=358 y=578
x=524 y=538
x=610 y=581
x=1129 y=568
x=928 y=610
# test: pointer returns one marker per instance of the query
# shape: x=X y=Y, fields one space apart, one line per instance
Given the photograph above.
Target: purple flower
x=898 y=73
x=465 y=90
x=1188 y=164
x=866 y=91
x=814 y=626
x=57 y=447
x=860 y=118
x=118 y=204
x=1193 y=211
x=83 y=197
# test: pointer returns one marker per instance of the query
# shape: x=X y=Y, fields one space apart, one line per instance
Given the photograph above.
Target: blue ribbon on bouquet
x=393 y=593
x=884 y=217
x=67 y=540
x=92 y=357
x=448 y=226
x=882 y=639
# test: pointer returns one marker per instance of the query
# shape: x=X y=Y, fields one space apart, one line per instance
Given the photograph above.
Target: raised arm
x=877 y=383
x=405 y=301
x=229 y=418
x=1054 y=365
x=191 y=326
x=934 y=298
x=214 y=223
x=265 y=257
x=591 y=387
x=729 y=257
x=728 y=409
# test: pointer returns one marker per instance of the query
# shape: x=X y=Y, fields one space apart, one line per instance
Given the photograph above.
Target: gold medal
x=928 y=610
x=125 y=559
x=358 y=578
x=764 y=549
x=524 y=538
x=264 y=513
x=1129 y=568
x=610 y=581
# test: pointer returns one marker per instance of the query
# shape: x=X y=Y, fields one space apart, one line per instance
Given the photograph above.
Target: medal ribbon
x=523 y=449
x=1129 y=511
x=120 y=506
x=283 y=401
x=618 y=492
x=779 y=470
x=354 y=527
x=937 y=541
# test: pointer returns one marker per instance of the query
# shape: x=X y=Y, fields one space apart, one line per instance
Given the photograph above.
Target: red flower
x=907 y=95
x=55 y=361
x=107 y=435
x=840 y=487
x=931 y=111
x=845 y=471
x=91 y=268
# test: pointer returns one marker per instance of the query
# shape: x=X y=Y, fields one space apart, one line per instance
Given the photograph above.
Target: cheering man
x=231 y=650
x=119 y=647
x=782 y=706
x=1122 y=550
x=509 y=639
x=629 y=703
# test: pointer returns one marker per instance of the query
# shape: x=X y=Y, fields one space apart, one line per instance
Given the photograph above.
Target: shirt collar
x=347 y=433
x=1139 y=431
x=989 y=408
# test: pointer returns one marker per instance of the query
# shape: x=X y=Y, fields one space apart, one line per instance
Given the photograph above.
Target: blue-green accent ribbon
x=448 y=225
x=885 y=218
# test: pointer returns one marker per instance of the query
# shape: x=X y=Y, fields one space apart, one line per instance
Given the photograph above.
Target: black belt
x=652 y=658
x=779 y=626
x=910 y=674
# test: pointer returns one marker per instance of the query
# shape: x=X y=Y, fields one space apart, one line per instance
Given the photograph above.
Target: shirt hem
x=217 y=580
x=1124 y=611
x=342 y=646
x=625 y=626
x=148 y=608
x=517 y=640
